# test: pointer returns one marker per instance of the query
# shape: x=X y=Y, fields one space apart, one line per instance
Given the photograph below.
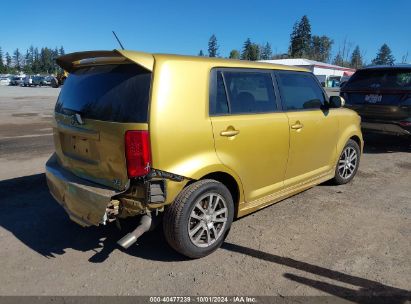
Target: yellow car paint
x=273 y=155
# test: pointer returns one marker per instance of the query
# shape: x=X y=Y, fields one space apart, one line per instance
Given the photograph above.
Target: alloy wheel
x=207 y=220
x=348 y=162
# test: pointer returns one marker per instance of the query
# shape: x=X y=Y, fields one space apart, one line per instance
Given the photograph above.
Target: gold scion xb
x=193 y=141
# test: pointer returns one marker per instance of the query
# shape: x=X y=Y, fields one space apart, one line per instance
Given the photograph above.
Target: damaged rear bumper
x=85 y=202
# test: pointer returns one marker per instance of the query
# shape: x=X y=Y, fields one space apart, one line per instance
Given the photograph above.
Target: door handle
x=229 y=133
x=297 y=126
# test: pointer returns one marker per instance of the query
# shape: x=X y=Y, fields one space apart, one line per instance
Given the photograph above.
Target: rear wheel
x=198 y=220
x=348 y=163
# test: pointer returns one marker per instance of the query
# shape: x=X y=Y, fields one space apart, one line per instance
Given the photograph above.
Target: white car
x=4 y=80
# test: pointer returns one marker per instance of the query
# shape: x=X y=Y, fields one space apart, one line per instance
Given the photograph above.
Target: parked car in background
x=382 y=97
x=28 y=81
x=256 y=133
x=344 y=80
x=16 y=80
x=4 y=80
x=38 y=81
x=46 y=81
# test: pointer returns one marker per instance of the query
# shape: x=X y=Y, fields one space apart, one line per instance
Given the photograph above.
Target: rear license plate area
x=77 y=146
x=81 y=146
x=373 y=98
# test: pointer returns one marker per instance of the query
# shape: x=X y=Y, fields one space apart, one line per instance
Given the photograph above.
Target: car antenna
x=118 y=40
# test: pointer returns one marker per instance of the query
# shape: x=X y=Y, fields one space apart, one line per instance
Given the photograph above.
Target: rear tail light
x=138 y=154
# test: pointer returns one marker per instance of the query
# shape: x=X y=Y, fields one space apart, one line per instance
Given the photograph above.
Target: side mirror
x=336 y=102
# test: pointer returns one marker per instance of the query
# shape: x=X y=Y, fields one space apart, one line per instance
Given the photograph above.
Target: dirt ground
x=344 y=241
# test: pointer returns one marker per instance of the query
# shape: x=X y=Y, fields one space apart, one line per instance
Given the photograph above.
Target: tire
x=209 y=228
x=346 y=168
x=54 y=83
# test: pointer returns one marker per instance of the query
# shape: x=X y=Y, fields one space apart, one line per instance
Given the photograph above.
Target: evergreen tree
x=8 y=63
x=55 y=54
x=251 y=51
x=18 y=60
x=28 y=62
x=384 y=56
x=46 y=60
x=300 y=39
x=2 y=66
x=212 y=46
x=61 y=51
x=234 y=54
x=338 y=60
x=246 y=49
x=254 y=53
x=356 y=58
x=201 y=54
x=320 y=48
x=36 y=67
x=266 y=52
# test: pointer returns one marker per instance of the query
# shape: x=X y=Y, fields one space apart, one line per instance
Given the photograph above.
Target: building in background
x=328 y=74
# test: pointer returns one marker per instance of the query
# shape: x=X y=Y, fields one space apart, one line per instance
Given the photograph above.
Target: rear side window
x=300 y=91
x=377 y=79
x=248 y=92
x=118 y=93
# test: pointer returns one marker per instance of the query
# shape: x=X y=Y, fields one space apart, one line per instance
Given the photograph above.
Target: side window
x=299 y=91
x=250 y=92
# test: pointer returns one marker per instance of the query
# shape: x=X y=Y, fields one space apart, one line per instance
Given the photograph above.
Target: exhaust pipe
x=130 y=238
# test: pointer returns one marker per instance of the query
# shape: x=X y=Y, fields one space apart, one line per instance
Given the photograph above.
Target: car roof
x=226 y=62
x=386 y=66
x=71 y=61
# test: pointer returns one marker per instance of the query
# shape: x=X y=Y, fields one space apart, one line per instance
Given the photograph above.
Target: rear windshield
x=377 y=79
x=118 y=93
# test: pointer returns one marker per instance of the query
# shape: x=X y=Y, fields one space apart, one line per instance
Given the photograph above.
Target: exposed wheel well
x=357 y=140
x=231 y=184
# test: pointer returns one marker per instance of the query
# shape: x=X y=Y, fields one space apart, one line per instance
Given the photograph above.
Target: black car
x=382 y=97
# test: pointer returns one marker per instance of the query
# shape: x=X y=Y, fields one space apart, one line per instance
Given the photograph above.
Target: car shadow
x=31 y=214
x=381 y=143
x=365 y=291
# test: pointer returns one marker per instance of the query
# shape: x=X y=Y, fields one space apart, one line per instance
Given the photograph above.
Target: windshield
x=377 y=79
x=117 y=93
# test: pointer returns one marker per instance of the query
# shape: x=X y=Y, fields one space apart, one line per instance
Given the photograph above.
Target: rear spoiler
x=72 y=61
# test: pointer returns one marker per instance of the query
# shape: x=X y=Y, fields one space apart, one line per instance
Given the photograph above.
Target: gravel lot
x=350 y=240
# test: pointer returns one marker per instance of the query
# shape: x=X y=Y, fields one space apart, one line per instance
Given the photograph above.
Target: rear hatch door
x=380 y=94
x=105 y=94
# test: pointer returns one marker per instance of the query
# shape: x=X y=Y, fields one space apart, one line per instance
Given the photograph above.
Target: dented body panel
x=85 y=202
x=93 y=150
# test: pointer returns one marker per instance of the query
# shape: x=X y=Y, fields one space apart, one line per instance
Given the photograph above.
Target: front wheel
x=348 y=163
x=199 y=219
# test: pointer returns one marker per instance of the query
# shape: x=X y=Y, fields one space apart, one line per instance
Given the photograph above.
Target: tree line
x=34 y=61
x=303 y=44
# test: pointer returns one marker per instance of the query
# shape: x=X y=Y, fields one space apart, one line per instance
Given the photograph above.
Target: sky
x=184 y=27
